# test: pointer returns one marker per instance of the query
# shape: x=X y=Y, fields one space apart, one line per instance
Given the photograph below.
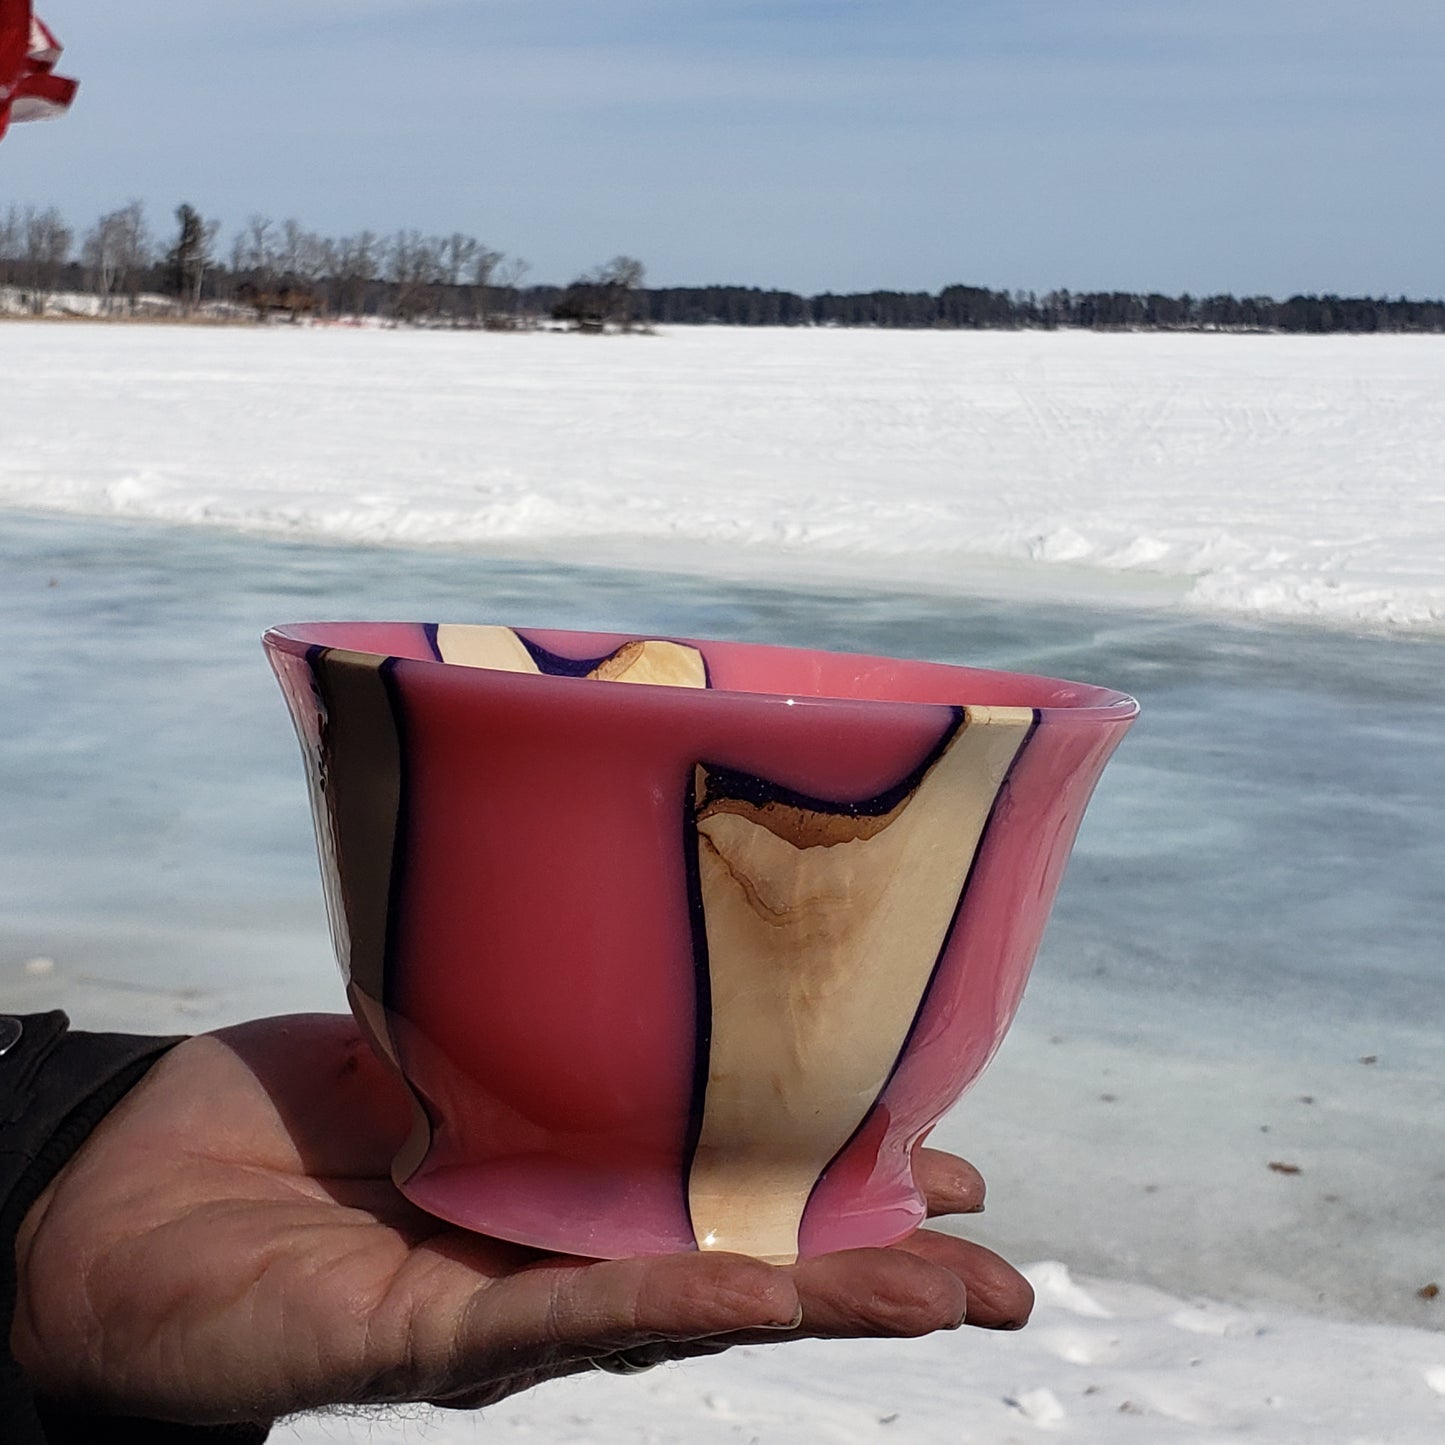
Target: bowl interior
x=717 y=666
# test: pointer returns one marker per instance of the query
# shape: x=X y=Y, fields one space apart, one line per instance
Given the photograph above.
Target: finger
x=908 y=1290
x=564 y=1308
x=860 y=1293
x=999 y=1297
x=951 y=1185
x=865 y=1293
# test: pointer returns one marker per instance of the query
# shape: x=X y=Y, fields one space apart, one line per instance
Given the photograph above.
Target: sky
x=1253 y=146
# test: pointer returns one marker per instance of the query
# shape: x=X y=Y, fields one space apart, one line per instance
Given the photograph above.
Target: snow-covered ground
x=1275 y=476
x=1101 y=1364
x=1246 y=965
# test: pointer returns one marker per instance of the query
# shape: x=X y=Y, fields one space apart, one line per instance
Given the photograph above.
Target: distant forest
x=284 y=271
x=975 y=308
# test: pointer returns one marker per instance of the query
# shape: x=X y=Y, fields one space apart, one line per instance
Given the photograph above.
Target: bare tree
x=47 y=241
x=11 y=230
x=604 y=296
x=306 y=259
x=484 y=263
x=115 y=251
x=463 y=257
x=466 y=267
x=320 y=273
x=356 y=261
x=414 y=268
x=294 y=247
x=624 y=271
x=254 y=251
x=305 y=256
x=622 y=277
x=457 y=254
x=507 y=276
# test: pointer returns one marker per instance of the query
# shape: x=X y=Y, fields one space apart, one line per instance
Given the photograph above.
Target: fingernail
x=791 y=1324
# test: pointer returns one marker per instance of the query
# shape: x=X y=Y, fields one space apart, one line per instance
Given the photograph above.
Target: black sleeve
x=55 y=1087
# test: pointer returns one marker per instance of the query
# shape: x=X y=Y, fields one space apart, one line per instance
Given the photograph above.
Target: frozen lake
x=1246 y=966
x=1247 y=475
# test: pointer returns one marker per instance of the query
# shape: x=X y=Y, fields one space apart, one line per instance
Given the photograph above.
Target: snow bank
x=1294 y=477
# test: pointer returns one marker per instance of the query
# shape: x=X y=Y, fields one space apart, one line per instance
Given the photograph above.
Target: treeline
x=284 y=269
x=269 y=268
x=974 y=308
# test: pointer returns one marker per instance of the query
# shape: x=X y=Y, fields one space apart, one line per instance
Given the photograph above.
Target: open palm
x=229 y=1246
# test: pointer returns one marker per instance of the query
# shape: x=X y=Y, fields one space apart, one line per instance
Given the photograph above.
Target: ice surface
x=1270 y=476
x=1254 y=904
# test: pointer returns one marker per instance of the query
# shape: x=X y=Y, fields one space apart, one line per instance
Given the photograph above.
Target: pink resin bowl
x=680 y=945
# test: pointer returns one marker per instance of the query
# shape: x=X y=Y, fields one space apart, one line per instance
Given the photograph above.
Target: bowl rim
x=1089 y=702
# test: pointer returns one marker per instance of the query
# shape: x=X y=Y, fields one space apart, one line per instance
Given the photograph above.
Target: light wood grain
x=651 y=660
x=664 y=664
x=822 y=930
x=472 y=646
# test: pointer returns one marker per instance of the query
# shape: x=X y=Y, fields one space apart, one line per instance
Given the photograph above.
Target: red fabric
x=29 y=88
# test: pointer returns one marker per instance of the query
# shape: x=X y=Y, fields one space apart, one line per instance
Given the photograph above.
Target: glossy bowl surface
x=680 y=944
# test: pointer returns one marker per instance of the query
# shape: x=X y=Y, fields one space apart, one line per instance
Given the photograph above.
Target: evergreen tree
x=188 y=260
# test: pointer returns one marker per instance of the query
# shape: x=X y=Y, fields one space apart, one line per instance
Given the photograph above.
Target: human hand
x=228 y=1246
